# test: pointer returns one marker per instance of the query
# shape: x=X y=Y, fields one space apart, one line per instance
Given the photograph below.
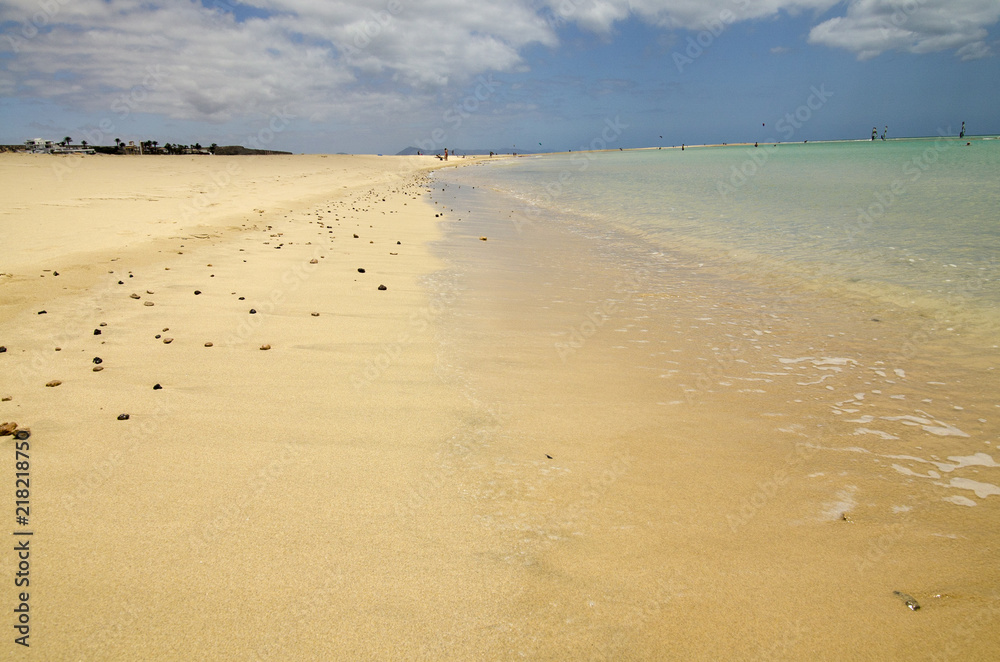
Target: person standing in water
x=874 y=133
x=962 y=134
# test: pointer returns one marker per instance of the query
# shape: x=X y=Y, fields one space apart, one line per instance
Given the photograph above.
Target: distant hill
x=412 y=151
x=239 y=150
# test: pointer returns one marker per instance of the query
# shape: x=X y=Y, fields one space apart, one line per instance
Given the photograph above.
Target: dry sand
x=414 y=473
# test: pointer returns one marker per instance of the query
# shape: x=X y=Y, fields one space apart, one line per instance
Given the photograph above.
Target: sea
x=915 y=222
x=850 y=287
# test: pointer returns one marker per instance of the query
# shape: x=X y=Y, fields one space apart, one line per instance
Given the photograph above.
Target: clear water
x=913 y=221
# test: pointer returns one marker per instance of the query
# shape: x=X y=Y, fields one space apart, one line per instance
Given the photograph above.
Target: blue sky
x=375 y=76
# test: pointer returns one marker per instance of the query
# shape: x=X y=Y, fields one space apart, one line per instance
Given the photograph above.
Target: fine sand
x=437 y=470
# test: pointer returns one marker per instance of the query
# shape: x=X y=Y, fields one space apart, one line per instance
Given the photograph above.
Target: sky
x=376 y=76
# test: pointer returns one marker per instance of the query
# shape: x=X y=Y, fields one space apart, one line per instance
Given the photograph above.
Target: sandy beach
x=314 y=468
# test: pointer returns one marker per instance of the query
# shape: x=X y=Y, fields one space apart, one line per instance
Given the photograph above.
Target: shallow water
x=911 y=222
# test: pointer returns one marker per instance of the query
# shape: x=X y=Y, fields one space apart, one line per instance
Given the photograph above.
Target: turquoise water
x=913 y=221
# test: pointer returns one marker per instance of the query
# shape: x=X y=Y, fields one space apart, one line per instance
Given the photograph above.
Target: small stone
x=167 y=341
x=147 y=303
x=97 y=332
x=399 y=243
x=361 y=271
x=149 y=291
x=265 y=347
x=197 y=292
x=122 y=417
x=253 y=311
x=97 y=368
x=157 y=387
x=121 y=282
x=98 y=360
x=3 y=349
x=7 y=398
x=356 y=237
x=208 y=344
x=315 y=314
x=54 y=383
x=43 y=312
x=157 y=336
x=103 y=324
x=166 y=328
x=242 y=298
x=382 y=287
x=482 y=239
x=134 y=296
x=58 y=349
x=314 y=261
x=55 y=273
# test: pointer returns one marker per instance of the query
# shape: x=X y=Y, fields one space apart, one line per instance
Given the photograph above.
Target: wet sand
x=508 y=453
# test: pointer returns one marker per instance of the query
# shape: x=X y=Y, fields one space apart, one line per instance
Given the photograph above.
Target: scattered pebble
x=3 y=349
x=208 y=344
x=253 y=311
x=43 y=312
x=482 y=239
x=123 y=417
x=98 y=368
x=156 y=387
x=7 y=398
x=197 y=292
x=98 y=360
x=315 y=314
x=167 y=341
x=361 y=270
x=54 y=383
x=356 y=237
x=314 y=261
x=382 y=287
x=97 y=332
x=265 y=347
x=147 y=303
x=134 y=296
x=103 y=324
x=907 y=600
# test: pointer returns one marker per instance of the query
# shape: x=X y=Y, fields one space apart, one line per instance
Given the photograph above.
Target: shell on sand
x=53 y=383
x=265 y=347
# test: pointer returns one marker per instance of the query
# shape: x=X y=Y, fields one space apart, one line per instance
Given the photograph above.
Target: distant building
x=131 y=148
x=39 y=146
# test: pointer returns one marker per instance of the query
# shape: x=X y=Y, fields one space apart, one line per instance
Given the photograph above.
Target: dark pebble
x=2 y=349
x=253 y=311
x=122 y=417
x=98 y=360
x=242 y=298
x=361 y=271
x=399 y=243
x=55 y=273
x=97 y=332
x=42 y=312
x=356 y=236
x=382 y=287
x=157 y=336
x=157 y=387
x=121 y=282
x=197 y=291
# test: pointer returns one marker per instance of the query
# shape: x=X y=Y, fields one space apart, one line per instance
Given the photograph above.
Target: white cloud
x=344 y=59
x=871 y=27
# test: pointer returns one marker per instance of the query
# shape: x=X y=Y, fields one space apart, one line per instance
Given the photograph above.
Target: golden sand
x=419 y=472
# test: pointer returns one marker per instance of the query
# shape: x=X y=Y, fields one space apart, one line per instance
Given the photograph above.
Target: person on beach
x=445 y=153
x=885 y=131
x=874 y=133
x=962 y=134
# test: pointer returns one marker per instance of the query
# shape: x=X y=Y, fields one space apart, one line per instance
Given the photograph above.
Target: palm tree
x=84 y=143
x=118 y=143
x=66 y=141
x=213 y=148
x=197 y=145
